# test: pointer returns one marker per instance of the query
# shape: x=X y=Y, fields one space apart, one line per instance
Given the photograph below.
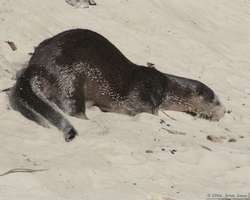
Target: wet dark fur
x=76 y=66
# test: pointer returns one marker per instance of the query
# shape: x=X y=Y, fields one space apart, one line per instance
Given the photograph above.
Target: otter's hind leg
x=71 y=97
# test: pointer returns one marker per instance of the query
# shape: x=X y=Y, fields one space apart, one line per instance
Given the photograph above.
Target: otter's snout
x=218 y=112
x=212 y=110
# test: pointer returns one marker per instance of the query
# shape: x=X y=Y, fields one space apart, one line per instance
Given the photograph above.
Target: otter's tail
x=25 y=100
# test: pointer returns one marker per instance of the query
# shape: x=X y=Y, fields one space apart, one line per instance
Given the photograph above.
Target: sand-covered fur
x=145 y=157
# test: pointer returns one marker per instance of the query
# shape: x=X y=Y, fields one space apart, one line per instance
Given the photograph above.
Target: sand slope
x=204 y=40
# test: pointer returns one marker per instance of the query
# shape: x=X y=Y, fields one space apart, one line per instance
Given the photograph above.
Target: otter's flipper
x=32 y=106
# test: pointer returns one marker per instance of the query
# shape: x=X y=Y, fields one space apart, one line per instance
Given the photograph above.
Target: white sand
x=204 y=40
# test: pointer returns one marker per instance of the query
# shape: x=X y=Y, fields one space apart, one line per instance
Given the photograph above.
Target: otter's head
x=192 y=97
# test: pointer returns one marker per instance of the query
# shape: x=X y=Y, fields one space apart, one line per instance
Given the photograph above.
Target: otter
x=80 y=65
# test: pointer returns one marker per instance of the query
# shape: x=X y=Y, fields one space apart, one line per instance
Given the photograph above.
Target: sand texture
x=146 y=157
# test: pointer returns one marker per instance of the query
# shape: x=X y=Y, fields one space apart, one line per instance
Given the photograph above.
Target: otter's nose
x=218 y=112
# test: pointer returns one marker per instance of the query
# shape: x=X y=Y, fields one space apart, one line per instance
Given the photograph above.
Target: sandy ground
x=126 y=158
